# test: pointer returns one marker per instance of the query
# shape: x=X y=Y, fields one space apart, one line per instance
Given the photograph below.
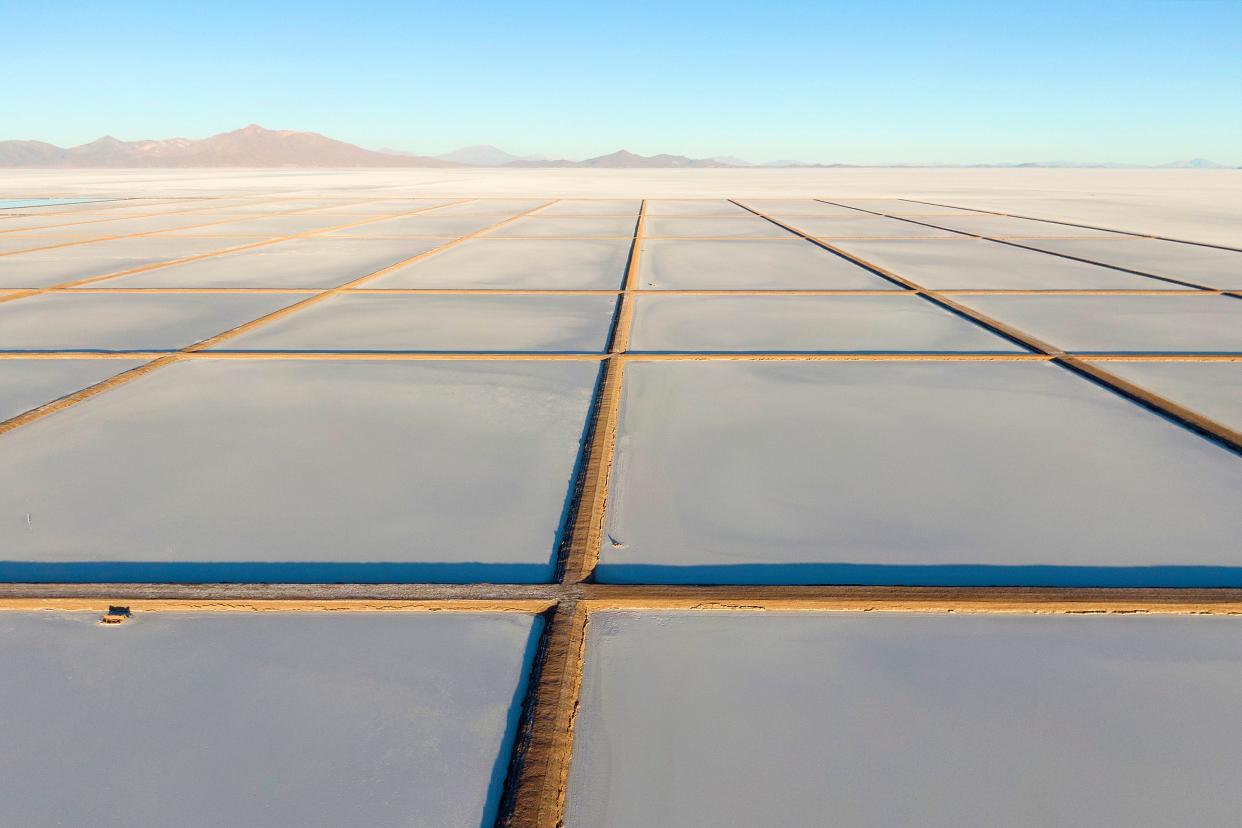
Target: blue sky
x=1140 y=82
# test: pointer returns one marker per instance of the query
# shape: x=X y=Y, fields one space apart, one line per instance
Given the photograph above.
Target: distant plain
x=1196 y=205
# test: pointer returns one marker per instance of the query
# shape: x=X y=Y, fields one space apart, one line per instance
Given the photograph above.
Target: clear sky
x=857 y=82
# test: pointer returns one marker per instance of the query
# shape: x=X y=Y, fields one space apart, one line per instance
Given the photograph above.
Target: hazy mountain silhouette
x=252 y=146
x=485 y=155
x=624 y=159
x=1195 y=164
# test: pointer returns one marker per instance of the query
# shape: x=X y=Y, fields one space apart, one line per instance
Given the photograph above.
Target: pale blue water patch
x=18 y=203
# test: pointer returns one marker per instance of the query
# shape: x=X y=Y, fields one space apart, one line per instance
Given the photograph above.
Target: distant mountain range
x=623 y=159
x=483 y=155
x=1195 y=164
x=254 y=146
x=1190 y=164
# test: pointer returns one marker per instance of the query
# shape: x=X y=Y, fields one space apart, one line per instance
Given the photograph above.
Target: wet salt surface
x=1122 y=324
x=886 y=719
x=126 y=322
x=437 y=323
x=964 y=264
x=287 y=470
x=932 y=473
x=29 y=383
x=789 y=264
x=539 y=264
x=45 y=268
x=1213 y=389
x=852 y=324
x=281 y=719
x=1207 y=266
x=299 y=263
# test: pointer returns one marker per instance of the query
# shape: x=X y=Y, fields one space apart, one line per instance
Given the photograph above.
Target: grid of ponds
x=632 y=472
